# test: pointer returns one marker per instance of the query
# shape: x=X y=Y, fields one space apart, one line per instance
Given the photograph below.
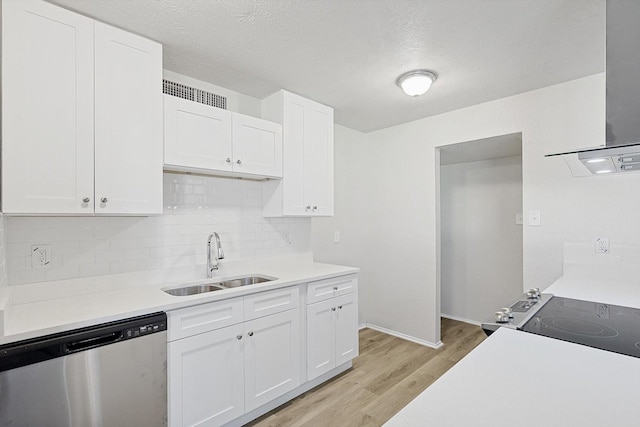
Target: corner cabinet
x=210 y=140
x=82 y=115
x=307 y=185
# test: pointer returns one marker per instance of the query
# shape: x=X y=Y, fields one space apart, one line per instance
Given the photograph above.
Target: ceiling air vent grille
x=193 y=94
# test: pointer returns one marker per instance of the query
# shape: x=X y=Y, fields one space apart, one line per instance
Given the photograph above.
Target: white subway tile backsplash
x=87 y=270
x=195 y=206
x=26 y=276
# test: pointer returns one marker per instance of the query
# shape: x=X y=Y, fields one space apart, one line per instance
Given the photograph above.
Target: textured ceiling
x=348 y=53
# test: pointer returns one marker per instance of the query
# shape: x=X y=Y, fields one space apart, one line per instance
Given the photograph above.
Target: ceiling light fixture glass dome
x=417 y=82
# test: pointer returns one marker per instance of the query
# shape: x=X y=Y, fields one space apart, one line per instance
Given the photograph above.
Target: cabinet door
x=321 y=342
x=196 y=135
x=257 y=146
x=128 y=125
x=47 y=108
x=206 y=378
x=318 y=159
x=272 y=357
x=293 y=196
x=346 y=328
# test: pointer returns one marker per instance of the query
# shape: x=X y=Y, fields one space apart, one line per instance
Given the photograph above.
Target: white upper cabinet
x=47 y=109
x=128 y=123
x=257 y=146
x=82 y=117
x=205 y=139
x=196 y=135
x=307 y=186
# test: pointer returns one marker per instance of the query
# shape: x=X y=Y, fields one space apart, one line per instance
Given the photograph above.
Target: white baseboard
x=404 y=336
x=460 y=319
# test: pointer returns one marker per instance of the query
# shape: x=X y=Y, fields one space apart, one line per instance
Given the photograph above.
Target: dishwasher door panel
x=116 y=385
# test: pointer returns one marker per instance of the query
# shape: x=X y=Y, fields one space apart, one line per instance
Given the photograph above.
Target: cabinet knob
x=239 y=337
x=228 y=160
x=340 y=307
x=308 y=207
x=104 y=200
x=333 y=309
x=250 y=334
x=315 y=207
x=239 y=162
x=86 y=200
x=335 y=288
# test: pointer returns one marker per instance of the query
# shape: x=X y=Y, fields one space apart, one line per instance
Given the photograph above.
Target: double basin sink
x=218 y=286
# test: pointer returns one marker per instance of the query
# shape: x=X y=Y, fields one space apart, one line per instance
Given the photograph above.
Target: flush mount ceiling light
x=417 y=82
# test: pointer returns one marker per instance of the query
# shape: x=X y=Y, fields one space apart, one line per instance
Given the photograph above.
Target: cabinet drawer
x=266 y=303
x=329 y=288
x=203 y=318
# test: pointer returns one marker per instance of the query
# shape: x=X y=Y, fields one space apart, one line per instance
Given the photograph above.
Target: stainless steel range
x=604 y=326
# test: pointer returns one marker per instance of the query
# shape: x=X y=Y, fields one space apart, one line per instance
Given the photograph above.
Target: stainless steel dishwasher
x=109 y=375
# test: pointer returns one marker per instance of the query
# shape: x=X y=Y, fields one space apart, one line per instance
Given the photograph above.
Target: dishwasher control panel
x=146 y=329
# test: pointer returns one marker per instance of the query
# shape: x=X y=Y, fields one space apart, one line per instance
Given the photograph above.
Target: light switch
x=534 y=217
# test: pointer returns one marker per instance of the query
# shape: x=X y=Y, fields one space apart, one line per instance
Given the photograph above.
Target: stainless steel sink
x=218 y=286
x=194 y=289
x=244 y=281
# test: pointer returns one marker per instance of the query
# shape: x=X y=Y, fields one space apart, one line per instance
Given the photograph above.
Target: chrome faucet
x=219 y=254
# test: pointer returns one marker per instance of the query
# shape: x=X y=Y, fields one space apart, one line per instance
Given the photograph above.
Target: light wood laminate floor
x=388 y=374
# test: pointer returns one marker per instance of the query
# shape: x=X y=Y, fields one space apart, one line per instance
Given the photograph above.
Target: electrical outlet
x=40 y=256
x=602 y=245
x=287 y=237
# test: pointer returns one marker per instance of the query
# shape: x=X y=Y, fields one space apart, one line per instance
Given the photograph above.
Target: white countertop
x=521 y=379
x=34 y=310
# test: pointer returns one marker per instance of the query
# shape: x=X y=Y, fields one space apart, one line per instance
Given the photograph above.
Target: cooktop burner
x=608 y=327
x=579 y=327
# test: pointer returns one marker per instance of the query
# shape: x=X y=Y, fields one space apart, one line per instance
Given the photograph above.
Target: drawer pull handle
x=250 y=334
x=239 y=337
x=340 y=307
x=333 y=309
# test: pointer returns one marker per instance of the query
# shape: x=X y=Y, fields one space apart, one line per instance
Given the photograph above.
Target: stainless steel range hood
x=621 y=152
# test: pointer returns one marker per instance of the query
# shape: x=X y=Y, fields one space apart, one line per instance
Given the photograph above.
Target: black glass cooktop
x=608 y=327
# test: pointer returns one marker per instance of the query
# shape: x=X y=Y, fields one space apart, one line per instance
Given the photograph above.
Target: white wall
x=481 y=244
x=401 y=195
x=350 y=219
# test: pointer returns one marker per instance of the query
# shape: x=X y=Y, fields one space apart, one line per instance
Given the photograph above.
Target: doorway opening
x=479 y=226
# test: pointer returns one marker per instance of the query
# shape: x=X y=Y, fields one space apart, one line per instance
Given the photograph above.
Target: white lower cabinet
x=233 y=360
x=272 y=357
x=332 y=333
x=206 y=378
x=219 y=375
